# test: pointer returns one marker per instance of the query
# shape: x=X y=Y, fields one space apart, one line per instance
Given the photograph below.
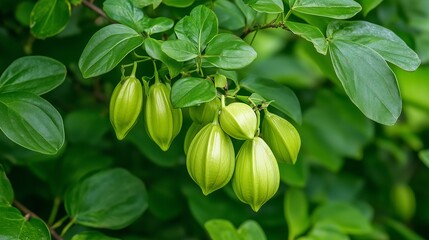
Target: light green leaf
x=251 y=230
x=221 y=230
x=368 y=5
x=324 y=230
x=34 y=74
x=153 y=49
x=107 y=48
x=311 y=34
x=178 y=3
x=380 y=39
x=145 y=3
x=229 y=15
x=6 y=190
x=123 y=11
x=180 y=50
x=111 y=199
x=266 y=6
x=367 y=80
x=296 y=212
x=228 y=51
x=32 y=122
x=424 y=156
x=92 y=235
x=15 y=226
x=156 y=25
x=191 y=91
x=338 y=9
x=49 y=17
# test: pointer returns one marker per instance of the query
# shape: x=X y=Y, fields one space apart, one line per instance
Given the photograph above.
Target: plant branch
x=29 y=214
x=266 y=26
x=94 y=8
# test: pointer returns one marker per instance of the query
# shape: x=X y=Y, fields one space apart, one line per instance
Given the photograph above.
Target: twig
x=29 y=214
x=260 y=27
x=94 y=8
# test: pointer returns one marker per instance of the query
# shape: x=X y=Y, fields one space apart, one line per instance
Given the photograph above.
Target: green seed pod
x=205 y=112
x=163 y=123
x=125 y=105
x=239 y=121
x=210 y=160
x=190 y=134
x=257 y=177
x=282 y=137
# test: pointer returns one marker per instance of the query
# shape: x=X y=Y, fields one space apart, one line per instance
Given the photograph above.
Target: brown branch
x=266 y=26
x=94 y=8
x=29 y=214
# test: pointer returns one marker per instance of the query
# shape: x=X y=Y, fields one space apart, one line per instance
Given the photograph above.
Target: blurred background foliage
x=354 y=179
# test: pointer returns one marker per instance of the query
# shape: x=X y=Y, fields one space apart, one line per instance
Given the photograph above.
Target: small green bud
x=257 y=177
x=282 y=137
x=404 y=201
x=210 y=160
x=190 y=134
x=205 y=112
x=239 y=121
x=163 y=123
x=125 y=105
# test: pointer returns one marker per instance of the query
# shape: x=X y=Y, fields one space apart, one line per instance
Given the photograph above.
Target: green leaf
x=191 y=91
x=180 y=50
x=91 y=133
x=31 y=122
x=6 y=190
x=324 y=230
x=198 y=28
x=156 y=25
x=294 y=175
x=402 y=230
x=17 y=227
x=145 y=3
x=221 y=230
x=251 y=230
x=92 y=235
x=178 y=3
x=49 y=17
x=23 y=12
x=266 y=6
x=338 y=9
x=123 y=11
x=228 y=51
x=111 y=199
x=248 y=12
x=380 y=39
x=296 y=212
x=424 y=156
x=153 y=49
x=345 y=216
x=284 y=98
x=369 y=5
x=107 y=48
x=229 y=15
x=367 y=80
x=34 y=74
x=311 y=34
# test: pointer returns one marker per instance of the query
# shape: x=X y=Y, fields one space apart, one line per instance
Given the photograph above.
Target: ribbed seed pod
x=210 y=160
x=282 y=137
x=239 y=121
x=190 y=134
x=125 y=105
x=257 y=177
x=205 y=112
x=163 y=123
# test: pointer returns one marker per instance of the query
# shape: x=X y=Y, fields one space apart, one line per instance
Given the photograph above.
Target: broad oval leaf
x=180 y=50
x=15 y=226
x=111 y=199
x=228 y=51
x=123 y=11
x=191 y=91
x=32 y=122
x=178 y=3
x=219 y=229
x=92 y=235
x=49 y=17
x=107 y=48
x=153 y=49
x=311 y=34
x=229 y=15
x=284 y=98
x=296 y=212
x=156 y=25
x=6 y=190
x=34 y=74
x=338 y=9
x=266 y=6
x=251 y=230
x=367 y=80
x=380 y=39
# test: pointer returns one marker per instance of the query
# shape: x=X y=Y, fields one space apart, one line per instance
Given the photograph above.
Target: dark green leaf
x=156 y=25
x=123 y=11
x=368 y=80
x=229 y=15
x=92 y=235
x=107 y=48
x=95 y=127
x=294 y=175
x=49 y=17
x=15 y=226
x=153 y=49
x=111 y=199
x=31 y=122
x=190 y=91
x=266 y=6
x=402 y=230
x=284 y=98
x=250 y=230
x=228 y=51
x=221 y=230
x=296 y=212
x=310 y=33
x=23 y=12
x=424 y=156
x=368 y=5
x=338 y=9
x=178 y=3
x=34 y=74
x=6 y=190
x=324 y=230
x=380 y=39
x=180 y=50
x=247 y=11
